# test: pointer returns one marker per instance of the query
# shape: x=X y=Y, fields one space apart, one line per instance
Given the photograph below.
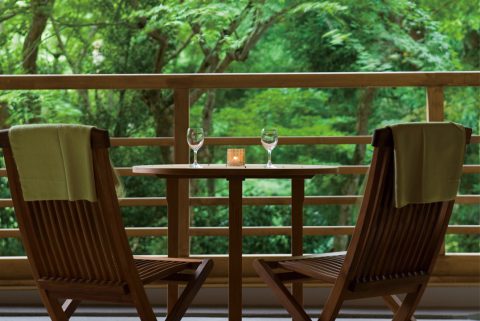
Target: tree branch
x=196 y=29
x=240 y=54
x=41 y=11
x=162 y=41
x=210 y=62
x=86 y=46
x=90 y=24
x=180 y=49
x=8 y=16
x=12 y=14
x=61 y=45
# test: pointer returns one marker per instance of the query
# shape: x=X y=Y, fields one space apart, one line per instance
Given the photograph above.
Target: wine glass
x=195 y=138
x=269 y=140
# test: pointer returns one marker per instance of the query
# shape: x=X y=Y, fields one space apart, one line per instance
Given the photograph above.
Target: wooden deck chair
x=392 y=251
x=78 y=250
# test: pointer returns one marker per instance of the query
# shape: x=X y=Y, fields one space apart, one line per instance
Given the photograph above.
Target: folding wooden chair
x=392 y=251
x=78 y=250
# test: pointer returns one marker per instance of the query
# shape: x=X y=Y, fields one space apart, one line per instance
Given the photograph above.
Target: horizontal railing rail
x=252 y=231
x=250 y=141
x=252 y=201
x=235 y=80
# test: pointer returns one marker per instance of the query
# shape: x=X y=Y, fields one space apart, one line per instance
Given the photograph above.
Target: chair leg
x=192 y=288
x=285 y=297
x=409 y=304
x=145 y=311
x=54 y=308
x=69 y=306
x=394 y=303
x=333 y=304
x=141 y=303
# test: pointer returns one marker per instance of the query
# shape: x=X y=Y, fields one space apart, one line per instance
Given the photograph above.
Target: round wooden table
x=235 y=175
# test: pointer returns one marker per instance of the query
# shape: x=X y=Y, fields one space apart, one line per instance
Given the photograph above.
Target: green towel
x=54 y=162
x=428 y=161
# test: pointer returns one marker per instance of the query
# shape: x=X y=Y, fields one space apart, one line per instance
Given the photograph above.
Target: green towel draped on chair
x=54 y=162
x=428 y=161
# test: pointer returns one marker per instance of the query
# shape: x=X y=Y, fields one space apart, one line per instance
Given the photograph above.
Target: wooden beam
x=254 y=201
x=143 y=201
x=251 y=80
x=251 y=231
x=252 y=141
x=141 y=141
x=181 y=98
x=182 y=156
x=291 y=140
x=435 y=104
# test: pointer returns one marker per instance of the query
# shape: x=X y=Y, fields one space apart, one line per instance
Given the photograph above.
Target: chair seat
x=148 y=270
x=151 y=270
x=324 y=267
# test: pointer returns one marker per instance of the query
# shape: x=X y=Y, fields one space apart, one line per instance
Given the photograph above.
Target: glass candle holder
x=236 y=157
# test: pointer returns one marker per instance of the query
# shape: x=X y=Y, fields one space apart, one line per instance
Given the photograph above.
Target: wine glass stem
x=195 y=157
x=269 y=158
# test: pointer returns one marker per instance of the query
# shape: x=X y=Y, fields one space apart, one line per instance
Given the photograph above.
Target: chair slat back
x=392 y=243
x=74 y=240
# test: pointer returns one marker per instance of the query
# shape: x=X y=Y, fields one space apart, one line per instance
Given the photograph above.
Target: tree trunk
x=120 y=128
x=351 y=185
x=207 y=151
x=3 y=115
x=161 y=108
x=84 y=102
x=41 y=10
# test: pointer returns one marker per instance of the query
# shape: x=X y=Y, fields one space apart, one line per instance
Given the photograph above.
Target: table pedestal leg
x=235 y=250
x=172 y=208
x=298 y=195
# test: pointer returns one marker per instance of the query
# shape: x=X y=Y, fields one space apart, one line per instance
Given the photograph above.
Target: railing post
x=181 y=119
x=298 y=198
x=436 y=112
x=435 y=104
x=181 y=156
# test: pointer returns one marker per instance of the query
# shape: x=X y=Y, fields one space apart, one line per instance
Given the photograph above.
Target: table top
x=224 y=171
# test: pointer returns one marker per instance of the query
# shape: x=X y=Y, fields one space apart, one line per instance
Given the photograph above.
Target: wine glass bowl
x=195 y=139
x=269 y=139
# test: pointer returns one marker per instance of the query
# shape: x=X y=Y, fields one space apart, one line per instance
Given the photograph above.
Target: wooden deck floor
x=213 y=314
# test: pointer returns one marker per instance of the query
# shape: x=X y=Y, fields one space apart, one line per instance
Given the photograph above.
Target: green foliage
x=289 y=110
x=397 y=35
x=118 y=37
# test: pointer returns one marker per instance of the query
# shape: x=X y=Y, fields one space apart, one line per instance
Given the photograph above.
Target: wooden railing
x=458 y=268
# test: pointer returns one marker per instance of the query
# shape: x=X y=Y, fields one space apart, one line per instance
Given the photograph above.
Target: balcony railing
x=451 y=268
